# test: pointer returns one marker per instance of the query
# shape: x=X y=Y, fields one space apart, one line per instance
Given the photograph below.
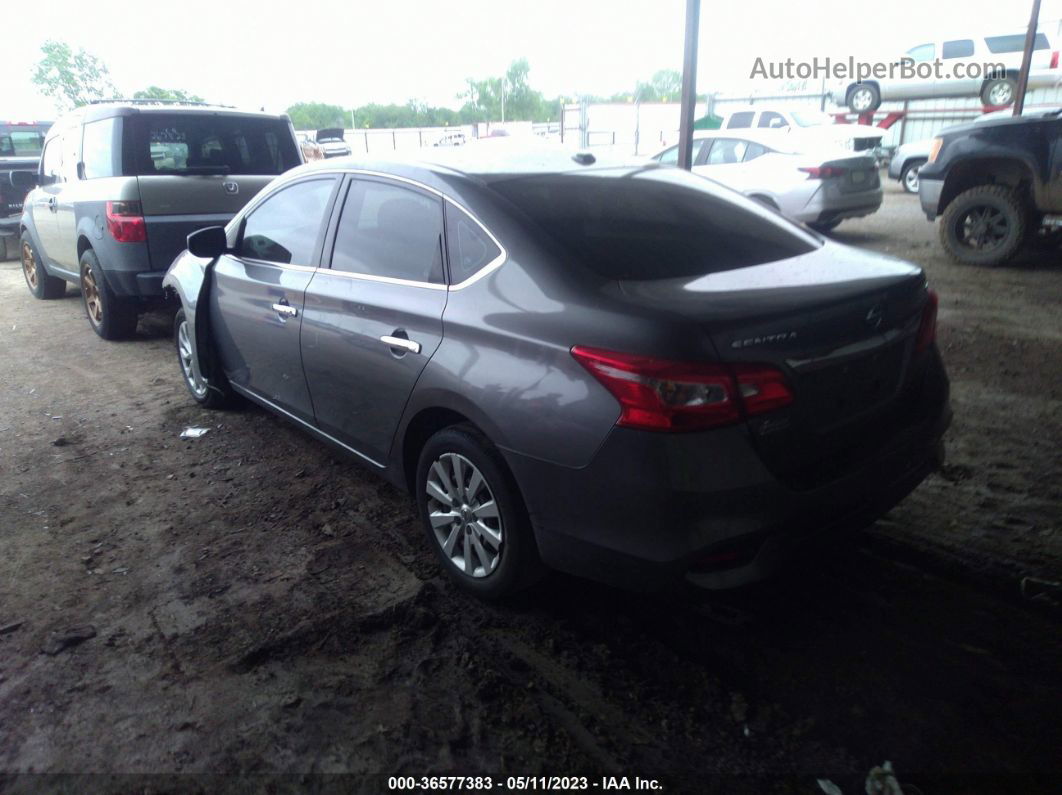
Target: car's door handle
x=51 y=203
x=401 y=342
x=285 y=309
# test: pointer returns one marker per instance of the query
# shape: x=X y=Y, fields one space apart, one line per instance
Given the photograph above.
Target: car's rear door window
x=285 y=227
x=959 y=48
x=654 y=224
x=192 y=143
x=741 y=119
x=725 y=151
x=390 y=231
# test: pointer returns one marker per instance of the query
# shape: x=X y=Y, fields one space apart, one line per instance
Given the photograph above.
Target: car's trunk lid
x=839 y=323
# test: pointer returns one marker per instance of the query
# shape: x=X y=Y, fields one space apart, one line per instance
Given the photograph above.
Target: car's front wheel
x=909 y=177
x=473 y=514
x=40 y=284
x=984 y=225
x=864 y=98
x=212 y=395
x=110 y=317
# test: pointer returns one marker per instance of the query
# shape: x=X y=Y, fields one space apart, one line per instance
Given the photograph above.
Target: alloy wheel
x=862 y=99
x=187 y=357
x=464 y=515
x=910 y=179
x=982 y=228
x=93 y=303
x=1001 y=93
x=29 y=265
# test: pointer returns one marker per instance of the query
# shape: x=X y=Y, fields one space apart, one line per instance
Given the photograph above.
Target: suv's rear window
x=22 y=140
x=657 y=224
x=211 y=144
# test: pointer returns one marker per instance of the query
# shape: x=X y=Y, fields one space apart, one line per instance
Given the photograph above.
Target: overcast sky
x=273 y=54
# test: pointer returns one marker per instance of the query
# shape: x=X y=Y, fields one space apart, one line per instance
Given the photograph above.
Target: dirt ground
x=250 y=605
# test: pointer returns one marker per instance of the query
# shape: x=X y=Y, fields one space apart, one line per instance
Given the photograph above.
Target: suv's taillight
x=927 y=329
x=662 y=395
x=1054 y=60
x=125 y=222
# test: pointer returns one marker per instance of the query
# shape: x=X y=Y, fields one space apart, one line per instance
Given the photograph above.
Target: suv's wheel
x=999 y=91
x=473 y=514
x=909 y=175
x=863 y=98
x=109 y=316
x=984 y=225
x=40 y=284
x=215 y=395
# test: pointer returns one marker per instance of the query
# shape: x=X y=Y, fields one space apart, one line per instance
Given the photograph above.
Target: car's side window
x=741 y=119
x=922 y=53
x=725 y=151
x=98 y=151
x=284 y=228
x=391 y=231
x=960 y=48
x=669 y=157
x=52 y=160
x=754 y=150
x=471 y=248
x=772 y=120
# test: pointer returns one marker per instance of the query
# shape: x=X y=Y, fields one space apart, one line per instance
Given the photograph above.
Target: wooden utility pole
x=689 y=85
x=1026 y=60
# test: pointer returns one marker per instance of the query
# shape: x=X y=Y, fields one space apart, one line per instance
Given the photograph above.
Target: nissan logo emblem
x=231 y=187
x=875 y=316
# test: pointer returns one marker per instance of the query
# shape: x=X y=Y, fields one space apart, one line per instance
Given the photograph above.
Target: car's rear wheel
x=864 y=98
x=999 y=92
x=984 y=225
x=110 y=317
x=473 y=514
x=909 y=176
x=40 y=284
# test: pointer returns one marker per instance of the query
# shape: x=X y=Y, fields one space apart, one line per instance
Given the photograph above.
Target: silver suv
x=120 y=186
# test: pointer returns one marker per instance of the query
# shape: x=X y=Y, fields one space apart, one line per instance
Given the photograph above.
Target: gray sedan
x=627 y=373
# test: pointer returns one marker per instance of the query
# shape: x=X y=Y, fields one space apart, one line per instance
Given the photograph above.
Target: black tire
x=212 y=392
x=985 y=225
x=110 y=316
x=3 y=249
x=909 y=175
x=999 y=92
x=40 y=284
x=822 y=227
x=518 y=564
x=863 y=98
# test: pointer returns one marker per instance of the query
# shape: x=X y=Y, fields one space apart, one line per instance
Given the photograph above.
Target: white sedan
x=820 y=187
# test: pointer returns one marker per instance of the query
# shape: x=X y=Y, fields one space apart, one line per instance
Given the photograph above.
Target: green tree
x=71 y=79
x=664 y=86
x=154 y=92
x=507 y=98
x=317 y=115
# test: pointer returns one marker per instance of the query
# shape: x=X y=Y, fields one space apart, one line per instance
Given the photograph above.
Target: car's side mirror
x=24 y=180
x=81 y=170
x=208 y=243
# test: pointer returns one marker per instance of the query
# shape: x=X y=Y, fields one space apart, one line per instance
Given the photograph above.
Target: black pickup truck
x=996 y=185
x=20 y=150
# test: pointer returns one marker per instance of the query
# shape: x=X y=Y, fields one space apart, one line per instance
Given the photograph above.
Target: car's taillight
x=927 y=329
x=824 y=172
x=1054 y=59
x=125 y=222
x=663 y=395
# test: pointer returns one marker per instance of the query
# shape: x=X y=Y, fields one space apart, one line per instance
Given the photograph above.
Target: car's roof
x=108 y=109
x=486 y=162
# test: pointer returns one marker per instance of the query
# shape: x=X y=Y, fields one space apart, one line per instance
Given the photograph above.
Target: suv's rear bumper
x=9 y=225
x=653 y=509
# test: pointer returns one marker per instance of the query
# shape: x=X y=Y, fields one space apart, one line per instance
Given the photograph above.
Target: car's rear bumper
x=9 y=225
x=929 y=191
x=656 y=509
x=826 y=206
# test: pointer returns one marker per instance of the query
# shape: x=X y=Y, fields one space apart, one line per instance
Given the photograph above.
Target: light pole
x=1026 y=60
x=689 y=85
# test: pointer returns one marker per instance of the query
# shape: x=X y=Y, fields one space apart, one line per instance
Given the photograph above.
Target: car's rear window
x=22 y=140
x=659 y=223
x=211 y=144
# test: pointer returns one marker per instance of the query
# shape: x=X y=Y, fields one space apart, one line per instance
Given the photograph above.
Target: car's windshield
x=654 y=224
x=171 y=143
x=22 y=140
